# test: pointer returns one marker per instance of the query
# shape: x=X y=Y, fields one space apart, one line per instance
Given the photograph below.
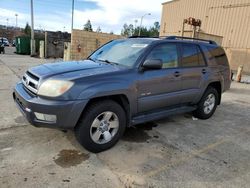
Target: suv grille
x=30 y=81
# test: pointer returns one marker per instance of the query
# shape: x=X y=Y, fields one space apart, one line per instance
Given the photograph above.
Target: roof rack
x=136 y=36
x=189 y=38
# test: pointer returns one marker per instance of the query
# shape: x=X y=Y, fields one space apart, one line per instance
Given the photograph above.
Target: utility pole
x=141 y=22
x=16 y=19
x=32 y=42
x=72 y=17
x=136 y=22
x=135 y=26
x=7 y=23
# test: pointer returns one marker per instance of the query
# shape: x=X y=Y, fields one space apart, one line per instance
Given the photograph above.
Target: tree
x=153 y=31
x=157 y=25
x=144 y=32
x=98 y=30
x=27 y=29
x=127 y=30
x=88 y=26
x=111 y=32
x=131 y=29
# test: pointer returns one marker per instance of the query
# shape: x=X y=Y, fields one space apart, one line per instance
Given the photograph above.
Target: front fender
x=104 y=89
x=110 y=88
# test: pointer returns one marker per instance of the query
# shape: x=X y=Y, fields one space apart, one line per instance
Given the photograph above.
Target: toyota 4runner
x=123 y=83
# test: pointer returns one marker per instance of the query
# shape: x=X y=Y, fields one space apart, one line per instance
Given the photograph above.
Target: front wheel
x=101 y=126
x=207 y=104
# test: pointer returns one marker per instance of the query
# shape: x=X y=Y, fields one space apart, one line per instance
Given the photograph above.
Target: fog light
x=45 y=117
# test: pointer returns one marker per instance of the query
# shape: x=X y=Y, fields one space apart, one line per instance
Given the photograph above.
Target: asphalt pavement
x=179 y=151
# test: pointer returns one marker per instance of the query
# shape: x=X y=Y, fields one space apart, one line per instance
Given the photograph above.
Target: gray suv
x=124 y=83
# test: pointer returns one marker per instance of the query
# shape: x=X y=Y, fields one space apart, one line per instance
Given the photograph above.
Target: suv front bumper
x=67 y=113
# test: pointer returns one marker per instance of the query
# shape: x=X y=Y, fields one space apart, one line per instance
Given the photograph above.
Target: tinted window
x=192 y=56
x=217 y=54
x=167 y=53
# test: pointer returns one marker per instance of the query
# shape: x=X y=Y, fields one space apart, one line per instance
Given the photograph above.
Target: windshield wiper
x=91 y=59
x=107 y=61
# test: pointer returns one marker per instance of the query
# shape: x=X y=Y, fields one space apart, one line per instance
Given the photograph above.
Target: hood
x=73 y=68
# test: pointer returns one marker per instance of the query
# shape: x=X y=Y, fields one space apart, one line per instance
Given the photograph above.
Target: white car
x=4 y=41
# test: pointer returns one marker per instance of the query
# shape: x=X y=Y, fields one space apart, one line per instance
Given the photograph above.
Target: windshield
x=123 y=52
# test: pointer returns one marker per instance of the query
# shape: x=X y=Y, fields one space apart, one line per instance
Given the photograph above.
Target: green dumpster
x=23 y=45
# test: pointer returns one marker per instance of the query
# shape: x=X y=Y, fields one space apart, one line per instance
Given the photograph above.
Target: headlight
x=54 y=88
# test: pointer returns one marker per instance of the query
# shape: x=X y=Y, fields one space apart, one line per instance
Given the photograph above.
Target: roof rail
x=136 y=36
x=189 y=38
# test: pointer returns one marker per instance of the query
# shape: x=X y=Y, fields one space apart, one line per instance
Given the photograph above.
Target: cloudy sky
x=55 y=15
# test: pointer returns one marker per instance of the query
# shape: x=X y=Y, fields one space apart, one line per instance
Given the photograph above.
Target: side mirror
x=152 y=64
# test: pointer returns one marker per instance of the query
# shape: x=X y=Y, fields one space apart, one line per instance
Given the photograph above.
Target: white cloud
x=54 y=22
x=10 y=15
x=110 y=15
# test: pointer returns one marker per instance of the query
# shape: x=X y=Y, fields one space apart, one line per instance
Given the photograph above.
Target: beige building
x=229 y=19
x=83 y=43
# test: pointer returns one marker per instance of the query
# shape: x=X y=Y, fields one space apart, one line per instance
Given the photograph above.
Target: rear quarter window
x=217 y=55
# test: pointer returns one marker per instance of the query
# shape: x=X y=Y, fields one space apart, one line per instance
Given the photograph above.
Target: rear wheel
x=208 y=104
x=101 y=126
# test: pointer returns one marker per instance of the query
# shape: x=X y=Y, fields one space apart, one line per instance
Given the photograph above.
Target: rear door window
x=191 y=56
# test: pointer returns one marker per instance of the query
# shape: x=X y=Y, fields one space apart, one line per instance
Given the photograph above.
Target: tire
x=97 y=121
x=204 y=110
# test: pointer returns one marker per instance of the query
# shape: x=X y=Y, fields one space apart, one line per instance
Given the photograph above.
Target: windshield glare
x=123 y=52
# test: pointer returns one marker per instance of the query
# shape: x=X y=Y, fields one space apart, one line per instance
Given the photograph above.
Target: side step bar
x=161 y=114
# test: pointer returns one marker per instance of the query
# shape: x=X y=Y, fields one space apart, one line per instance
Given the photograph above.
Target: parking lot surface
x=179 y=151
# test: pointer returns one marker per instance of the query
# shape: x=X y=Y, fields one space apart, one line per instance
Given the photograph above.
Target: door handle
x=204 y=71
x=177 y=74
